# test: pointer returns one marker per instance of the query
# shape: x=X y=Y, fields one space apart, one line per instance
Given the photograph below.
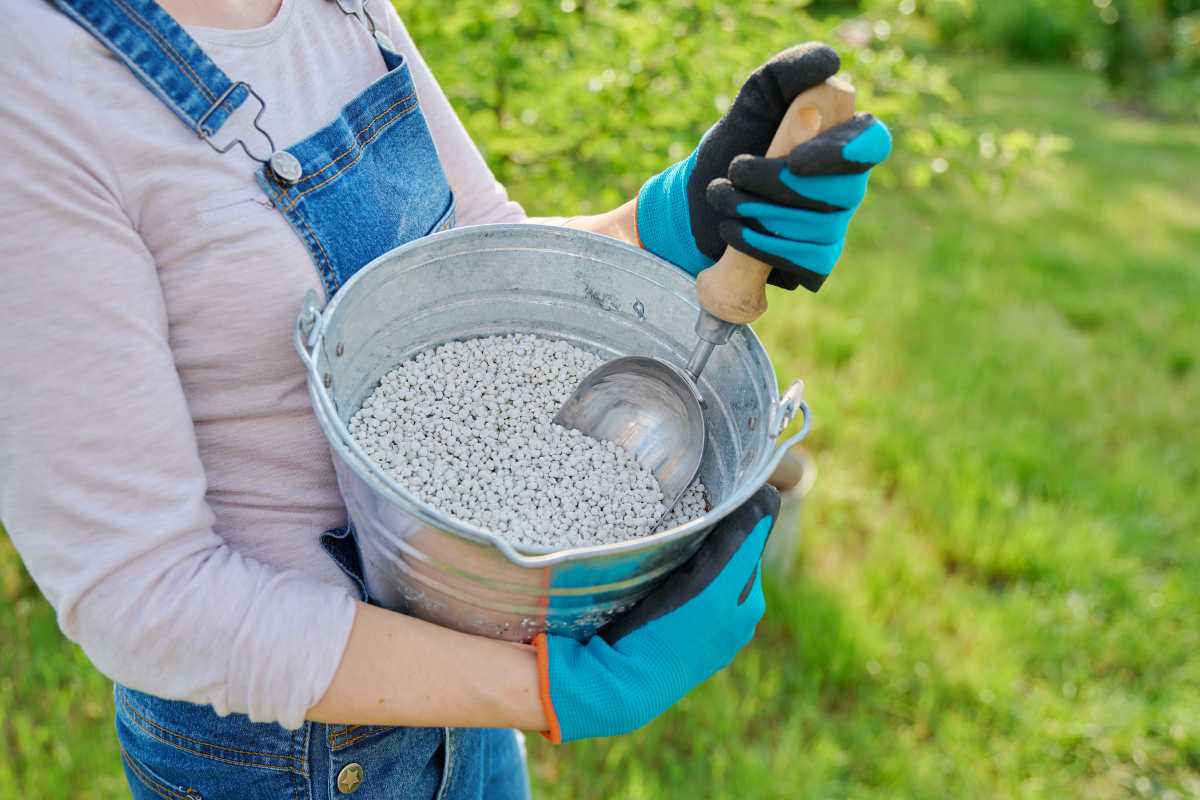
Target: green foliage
x=637 y=83
x=1031 y=29
x=1036 y=30
x=1147 y=50
x=1150 y=53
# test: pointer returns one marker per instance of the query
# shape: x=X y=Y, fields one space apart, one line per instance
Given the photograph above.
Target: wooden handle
x=734 y=289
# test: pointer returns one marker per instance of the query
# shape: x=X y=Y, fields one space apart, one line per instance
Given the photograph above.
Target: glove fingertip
x=751 y=172
x=870 y=146
x=805 y=66
x=740 y=161
x=722 y=196
x=825 y=154
x=783 y=279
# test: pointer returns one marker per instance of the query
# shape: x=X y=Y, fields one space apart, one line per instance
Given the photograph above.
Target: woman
x=161 y=472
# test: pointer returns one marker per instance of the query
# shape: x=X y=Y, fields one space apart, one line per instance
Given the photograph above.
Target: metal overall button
x=350 y=778
x=286 y=167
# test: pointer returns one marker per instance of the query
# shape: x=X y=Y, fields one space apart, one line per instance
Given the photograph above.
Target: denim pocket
x=172 y=748
x=142 y=778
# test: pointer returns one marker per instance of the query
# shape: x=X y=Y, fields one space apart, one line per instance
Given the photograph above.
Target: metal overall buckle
x=282 y=164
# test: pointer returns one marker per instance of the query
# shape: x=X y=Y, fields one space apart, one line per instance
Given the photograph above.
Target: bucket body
x=592 y=291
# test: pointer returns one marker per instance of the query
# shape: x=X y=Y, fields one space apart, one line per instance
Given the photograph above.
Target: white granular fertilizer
x=467 y=427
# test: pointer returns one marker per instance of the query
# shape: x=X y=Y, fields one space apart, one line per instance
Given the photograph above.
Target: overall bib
x=365 y=183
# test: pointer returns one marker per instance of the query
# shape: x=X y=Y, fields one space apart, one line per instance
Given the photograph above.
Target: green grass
x=997 y=588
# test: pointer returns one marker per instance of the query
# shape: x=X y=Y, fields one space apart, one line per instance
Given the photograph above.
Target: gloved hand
x=791 y=213
x=693 y=625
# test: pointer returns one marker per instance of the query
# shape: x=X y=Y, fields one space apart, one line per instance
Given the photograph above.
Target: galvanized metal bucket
x=590 y=290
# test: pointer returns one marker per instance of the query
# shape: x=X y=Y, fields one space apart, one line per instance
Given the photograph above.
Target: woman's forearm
x=620 y=223
x=398 y=670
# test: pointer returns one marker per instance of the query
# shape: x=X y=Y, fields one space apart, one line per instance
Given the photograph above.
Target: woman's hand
x=675 y=638
x=791 y=213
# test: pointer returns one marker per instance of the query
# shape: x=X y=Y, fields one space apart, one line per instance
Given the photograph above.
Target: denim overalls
x=362 y=185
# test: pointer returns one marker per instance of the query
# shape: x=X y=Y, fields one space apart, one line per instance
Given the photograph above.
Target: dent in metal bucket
x=595 y=292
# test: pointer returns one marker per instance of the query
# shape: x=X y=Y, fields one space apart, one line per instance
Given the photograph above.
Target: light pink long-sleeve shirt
x=161 y=472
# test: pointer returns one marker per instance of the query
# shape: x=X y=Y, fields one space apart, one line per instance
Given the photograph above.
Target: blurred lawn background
x=996 y=594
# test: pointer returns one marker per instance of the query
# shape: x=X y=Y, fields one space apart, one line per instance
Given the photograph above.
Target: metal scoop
x=651 y=407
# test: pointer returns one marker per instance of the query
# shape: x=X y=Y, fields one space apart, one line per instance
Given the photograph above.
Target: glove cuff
x=542 y=645
x=664 y=222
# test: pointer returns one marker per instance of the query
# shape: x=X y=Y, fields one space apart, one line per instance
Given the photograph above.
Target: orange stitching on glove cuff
x=554 y=735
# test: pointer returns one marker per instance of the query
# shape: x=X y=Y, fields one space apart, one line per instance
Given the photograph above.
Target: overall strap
x=162 y=55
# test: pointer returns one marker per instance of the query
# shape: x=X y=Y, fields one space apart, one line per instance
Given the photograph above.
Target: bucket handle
x=785 y=410
x=308 y=329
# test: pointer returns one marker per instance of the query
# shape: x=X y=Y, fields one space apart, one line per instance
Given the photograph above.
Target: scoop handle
x=734 y=289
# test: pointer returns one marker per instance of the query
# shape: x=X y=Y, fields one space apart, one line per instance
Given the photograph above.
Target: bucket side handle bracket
x=308 y=328
x=785 y=411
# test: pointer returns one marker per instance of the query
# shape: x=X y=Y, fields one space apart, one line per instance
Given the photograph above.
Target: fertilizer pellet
x=466 y=426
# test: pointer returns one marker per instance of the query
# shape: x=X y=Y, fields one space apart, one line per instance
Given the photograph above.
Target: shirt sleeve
x=101 y=485
x=480 y=198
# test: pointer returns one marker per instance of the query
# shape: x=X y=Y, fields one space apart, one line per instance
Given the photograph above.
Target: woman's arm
x=620 y=223
x=398 y=670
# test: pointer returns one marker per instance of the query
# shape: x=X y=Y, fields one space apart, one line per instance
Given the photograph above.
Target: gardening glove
x=792 y=212
x=799 y=234
x=690 y=627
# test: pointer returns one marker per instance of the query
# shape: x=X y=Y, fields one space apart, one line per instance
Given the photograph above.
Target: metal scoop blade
x=649 y=407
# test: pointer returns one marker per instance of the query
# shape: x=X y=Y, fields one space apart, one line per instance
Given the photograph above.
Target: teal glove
x=673 y=219
x=675 y=638
x=792 y=212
